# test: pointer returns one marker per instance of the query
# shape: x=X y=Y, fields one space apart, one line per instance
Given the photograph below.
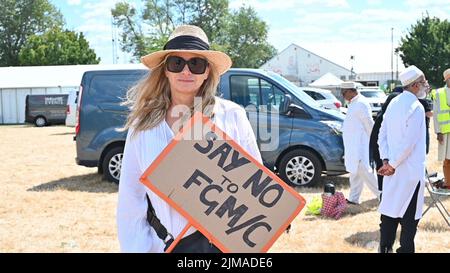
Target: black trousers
x=388 y=228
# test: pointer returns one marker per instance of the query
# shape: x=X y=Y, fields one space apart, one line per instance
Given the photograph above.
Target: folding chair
x=436 y=195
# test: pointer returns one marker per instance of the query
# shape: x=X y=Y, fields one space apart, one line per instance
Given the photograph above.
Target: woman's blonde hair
x=150 y=99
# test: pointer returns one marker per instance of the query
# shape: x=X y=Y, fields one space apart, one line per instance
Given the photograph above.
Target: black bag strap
x=156 y=224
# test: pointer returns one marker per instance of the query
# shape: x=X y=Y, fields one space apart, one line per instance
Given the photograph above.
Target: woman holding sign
x=184 y=78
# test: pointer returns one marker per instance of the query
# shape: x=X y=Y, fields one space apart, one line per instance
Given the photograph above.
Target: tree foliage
x=247 y=39
x=57 y=47
x=241 y=33
x=427 y=46
x=19 y=19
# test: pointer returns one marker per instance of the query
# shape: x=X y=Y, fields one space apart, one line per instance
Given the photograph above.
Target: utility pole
x=396 y=54
x=115 y=56
x=392 y=58
x=352 y=72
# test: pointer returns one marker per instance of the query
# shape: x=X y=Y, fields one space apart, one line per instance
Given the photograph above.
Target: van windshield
x=373 y=94
x=300 y=94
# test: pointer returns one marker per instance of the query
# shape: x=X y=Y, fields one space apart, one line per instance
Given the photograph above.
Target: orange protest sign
x=236 y=202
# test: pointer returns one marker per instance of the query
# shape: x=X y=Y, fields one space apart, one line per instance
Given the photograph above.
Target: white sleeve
x=415 y=126
x=366 y=118
x=133 y=229
x=382 y=139
x=246 y=136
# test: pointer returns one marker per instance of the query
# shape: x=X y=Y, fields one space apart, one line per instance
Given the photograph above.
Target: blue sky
x=334 y=29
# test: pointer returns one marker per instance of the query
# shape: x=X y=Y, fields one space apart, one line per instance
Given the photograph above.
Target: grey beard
x=422 y=93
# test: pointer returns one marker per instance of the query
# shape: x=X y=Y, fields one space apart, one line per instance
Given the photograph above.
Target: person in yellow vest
x=441 y=119
x=433 y=94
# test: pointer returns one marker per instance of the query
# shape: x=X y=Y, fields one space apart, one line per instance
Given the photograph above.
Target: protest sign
x=236 y=202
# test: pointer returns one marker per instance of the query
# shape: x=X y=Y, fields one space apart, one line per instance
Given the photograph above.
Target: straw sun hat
x=191 y=39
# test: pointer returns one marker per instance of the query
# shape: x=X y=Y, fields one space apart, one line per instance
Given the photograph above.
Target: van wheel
x=300 y=168
x=112 y=164
x=40 y=122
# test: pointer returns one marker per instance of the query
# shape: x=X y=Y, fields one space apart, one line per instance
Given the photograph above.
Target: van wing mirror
x=298 y=112
x=287 y=103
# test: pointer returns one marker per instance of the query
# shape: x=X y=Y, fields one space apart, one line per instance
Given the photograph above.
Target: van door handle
x=113 y=107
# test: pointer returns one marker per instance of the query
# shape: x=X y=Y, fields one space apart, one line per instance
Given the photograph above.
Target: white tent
x=330 y=82
x=327 y=80
x=18 y=82
x=51 y=76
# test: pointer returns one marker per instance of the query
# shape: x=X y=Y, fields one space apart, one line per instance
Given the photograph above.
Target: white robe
x=356 y=129
x=135 y=234
x=402 y=141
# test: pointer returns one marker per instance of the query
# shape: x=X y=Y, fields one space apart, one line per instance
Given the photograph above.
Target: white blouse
x=135 y=234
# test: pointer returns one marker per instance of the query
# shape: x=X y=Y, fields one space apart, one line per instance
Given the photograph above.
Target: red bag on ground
x=333 y=205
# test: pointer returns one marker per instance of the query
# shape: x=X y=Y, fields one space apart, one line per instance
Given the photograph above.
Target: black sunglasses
x=196 y=65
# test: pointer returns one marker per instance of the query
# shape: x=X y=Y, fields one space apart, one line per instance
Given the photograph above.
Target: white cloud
x=264 y=5
x=445 y=4
x=288 y=4
x=73 y=2
x=97 y=27
x=374 y=2
x=331 y=28
x=373 y=57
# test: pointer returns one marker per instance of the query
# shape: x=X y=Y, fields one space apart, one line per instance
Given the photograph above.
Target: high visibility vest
x=433 y=94
x=443 y=113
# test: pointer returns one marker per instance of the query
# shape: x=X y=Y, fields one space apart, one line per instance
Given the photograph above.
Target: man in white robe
x=357 y=127
x=402 y=148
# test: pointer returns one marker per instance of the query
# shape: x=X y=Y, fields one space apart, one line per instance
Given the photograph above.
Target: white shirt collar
x=409 y=94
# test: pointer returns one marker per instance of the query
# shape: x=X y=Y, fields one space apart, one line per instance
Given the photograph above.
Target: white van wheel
x=40 y=122
x=112 y=164
x=300 y=168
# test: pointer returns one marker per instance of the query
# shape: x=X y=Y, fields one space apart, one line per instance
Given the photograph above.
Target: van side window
x=272 y=97
x=244 y=90
x=315 y=95
x=111 y=88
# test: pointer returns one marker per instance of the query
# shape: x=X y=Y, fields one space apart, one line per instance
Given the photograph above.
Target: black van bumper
x=86 y=163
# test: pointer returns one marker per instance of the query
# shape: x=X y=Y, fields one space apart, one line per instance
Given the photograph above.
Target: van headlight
x=334 y=125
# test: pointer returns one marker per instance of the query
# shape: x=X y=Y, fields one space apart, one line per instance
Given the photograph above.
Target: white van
x=323 y=97
x=375 y=97
x=71 y=111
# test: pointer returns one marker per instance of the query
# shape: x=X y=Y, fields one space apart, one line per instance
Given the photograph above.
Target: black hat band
x=186 y=42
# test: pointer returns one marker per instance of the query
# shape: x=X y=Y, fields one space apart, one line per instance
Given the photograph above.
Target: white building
x=18 y=82
x=304 y=67
x=381 y=79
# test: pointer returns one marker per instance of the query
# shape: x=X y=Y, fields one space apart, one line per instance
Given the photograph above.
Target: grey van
x=309 y=138
x=44 y=110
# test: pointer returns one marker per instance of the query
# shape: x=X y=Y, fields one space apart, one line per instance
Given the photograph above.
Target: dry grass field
x=50 y=204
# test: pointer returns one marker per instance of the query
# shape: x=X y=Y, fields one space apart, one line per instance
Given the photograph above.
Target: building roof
x=51 y=76
x=327 y=80
x=297 y=46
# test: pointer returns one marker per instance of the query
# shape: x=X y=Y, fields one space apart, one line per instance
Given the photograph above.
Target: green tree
x=148 y=31
x=20 y=19
x=212 y=16
x=427 y=45
x=57 y=47
x=246 y=40
x=132 y=37
x=241 y=34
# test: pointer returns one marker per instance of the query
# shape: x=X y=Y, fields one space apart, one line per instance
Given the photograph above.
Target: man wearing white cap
x=442 y=127
x=402 y=147
x=357 y=127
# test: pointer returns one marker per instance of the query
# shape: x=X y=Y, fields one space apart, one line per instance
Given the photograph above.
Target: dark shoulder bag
x=194 y=243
